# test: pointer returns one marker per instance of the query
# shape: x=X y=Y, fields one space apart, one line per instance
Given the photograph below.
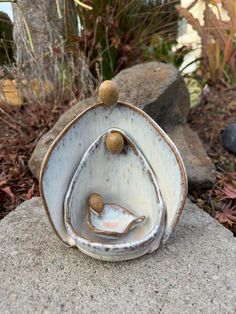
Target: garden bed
x=20 y=130
x=209 y=119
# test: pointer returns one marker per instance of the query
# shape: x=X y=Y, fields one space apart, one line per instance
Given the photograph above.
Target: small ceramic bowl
x=113 y=222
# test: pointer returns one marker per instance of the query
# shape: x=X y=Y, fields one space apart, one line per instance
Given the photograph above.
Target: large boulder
x=160 y=91
x=193 y=273
x=200 y=169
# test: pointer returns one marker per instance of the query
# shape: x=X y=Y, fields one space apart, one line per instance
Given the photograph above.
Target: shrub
x=218 y=39
x=6 y=39
x=116 y=34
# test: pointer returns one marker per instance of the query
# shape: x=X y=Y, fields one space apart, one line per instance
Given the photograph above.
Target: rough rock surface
x=159 y=90
x=228 y=138
x=200 y=169
x=193 y=273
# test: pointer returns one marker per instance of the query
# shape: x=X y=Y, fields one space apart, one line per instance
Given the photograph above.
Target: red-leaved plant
x=217 y=40
x=224 y=194
x=227 y=215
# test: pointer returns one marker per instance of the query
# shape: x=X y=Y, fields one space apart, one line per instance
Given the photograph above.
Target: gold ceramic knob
x=115 y=142
x=108 y=93
x=95 y=201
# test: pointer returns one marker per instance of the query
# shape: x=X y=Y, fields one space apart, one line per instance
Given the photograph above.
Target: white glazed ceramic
x=125 y=179
x=68 y=149
x=113 y=222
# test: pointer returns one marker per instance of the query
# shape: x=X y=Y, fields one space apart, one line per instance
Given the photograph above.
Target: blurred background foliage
x=162 y=50
x=216 y=29
x=119 y=33
x=6 y=39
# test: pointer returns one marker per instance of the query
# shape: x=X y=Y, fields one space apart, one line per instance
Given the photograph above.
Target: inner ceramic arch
x=125 y=179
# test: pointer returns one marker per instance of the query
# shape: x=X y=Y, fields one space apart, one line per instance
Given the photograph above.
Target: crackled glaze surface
x=113 y=222
x=69 y=147
x=125 y=179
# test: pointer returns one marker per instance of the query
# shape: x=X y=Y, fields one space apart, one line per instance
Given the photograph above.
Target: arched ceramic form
x=163 y=161
x=126 y=179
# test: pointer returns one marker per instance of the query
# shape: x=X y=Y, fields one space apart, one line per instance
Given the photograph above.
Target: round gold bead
x=115 y=142
x=95 y=201
x=108 y=93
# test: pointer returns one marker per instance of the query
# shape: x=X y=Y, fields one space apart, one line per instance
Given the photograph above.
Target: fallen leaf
x=3 y=182
x=30 y=193
x=12 y=157
x=8 y=191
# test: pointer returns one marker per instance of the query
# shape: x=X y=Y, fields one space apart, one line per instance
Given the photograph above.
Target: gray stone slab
x=193 y=273
x=199 y=167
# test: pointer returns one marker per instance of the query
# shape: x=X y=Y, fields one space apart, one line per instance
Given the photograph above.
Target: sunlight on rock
x=9 y=93
x=37 y=87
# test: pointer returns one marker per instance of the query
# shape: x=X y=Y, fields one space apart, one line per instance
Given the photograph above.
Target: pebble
x=228 y=138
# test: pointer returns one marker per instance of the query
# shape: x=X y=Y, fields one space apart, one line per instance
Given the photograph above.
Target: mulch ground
x=209 y=119
x=21 y=128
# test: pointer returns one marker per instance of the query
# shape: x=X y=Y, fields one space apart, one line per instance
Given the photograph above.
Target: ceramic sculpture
x=113 y=183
